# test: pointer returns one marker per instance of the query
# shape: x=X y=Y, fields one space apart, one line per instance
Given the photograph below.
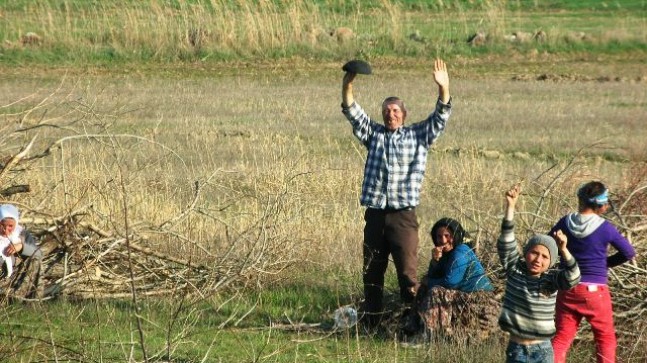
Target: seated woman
x=17 y=241
x=453 y=264
x=456 y=291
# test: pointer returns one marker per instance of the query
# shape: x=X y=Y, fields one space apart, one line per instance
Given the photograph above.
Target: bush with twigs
x=94 y=250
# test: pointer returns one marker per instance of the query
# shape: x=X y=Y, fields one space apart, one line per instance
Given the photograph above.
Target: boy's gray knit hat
x=546 y=241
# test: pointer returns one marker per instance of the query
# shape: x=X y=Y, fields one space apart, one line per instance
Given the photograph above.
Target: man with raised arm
x=393 y=174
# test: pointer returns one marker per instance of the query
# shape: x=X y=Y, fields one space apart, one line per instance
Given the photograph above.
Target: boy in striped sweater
x=531 y=288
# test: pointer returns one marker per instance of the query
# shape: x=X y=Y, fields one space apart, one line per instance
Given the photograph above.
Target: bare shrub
x=98 y=243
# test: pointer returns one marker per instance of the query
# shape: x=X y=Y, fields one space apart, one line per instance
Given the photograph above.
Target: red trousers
x=592 y=303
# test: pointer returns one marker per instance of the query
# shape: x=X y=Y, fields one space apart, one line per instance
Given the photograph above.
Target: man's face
x=537 y=260
x=7 y=226
x=393 y=116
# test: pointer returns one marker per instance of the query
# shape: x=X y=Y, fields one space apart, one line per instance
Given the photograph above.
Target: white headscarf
x=10 y=211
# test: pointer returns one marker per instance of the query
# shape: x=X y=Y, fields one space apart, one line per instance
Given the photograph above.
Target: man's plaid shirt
x=396 y=161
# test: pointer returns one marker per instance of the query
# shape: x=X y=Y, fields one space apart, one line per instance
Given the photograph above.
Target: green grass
x=117 y=34
x=259 y=326
x=344 y=6
x=230 y=325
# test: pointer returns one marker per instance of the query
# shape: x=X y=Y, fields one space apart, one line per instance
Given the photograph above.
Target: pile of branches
x=81 y=261
x=629 y=281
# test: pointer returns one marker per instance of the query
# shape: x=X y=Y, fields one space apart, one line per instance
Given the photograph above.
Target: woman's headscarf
x=458 y=233
x=10 y=211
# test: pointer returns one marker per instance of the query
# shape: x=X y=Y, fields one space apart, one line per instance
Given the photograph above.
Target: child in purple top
x=589 y=235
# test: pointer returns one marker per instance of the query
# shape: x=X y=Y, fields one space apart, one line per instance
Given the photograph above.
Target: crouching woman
x=455 y=292
x=17 y=241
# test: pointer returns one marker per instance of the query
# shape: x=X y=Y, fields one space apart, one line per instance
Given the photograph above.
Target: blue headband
x=601 y=199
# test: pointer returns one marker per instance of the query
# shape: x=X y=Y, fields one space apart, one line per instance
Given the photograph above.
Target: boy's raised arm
x=569 y=274
x=507 y=248
x=511 y=197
